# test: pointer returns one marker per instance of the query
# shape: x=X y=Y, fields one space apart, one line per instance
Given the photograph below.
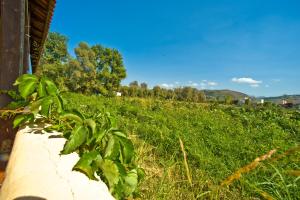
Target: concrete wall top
x=36 y=169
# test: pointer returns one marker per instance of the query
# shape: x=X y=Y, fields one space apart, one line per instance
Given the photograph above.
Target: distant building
x=284 y=102
x=287 y=104
x=118 y=94
x=262 y=101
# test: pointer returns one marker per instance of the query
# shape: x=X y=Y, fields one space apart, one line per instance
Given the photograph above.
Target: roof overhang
x=41 y=12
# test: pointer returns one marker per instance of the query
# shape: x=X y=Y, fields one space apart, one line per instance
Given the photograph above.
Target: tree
x=95 y=69
x=134 y=84
x=87 y=72
x=170 y=94
x=56 y=49
x=109 y=65
x=201 y=96
x=228 y=99
x=124 y=90
x=187 y=93
x=157 y=91
x=248 y=101
x=133 y=89
x=144 y=86
x=54 y=59
x=143 y=90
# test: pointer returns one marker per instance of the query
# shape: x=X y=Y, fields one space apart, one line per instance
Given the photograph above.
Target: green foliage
x=109 y=64
x=77 y=138
x=218 y=139
x=95 y=70
x=181 y=94
x=104 y=150
x=56 y=50
x=20 y=119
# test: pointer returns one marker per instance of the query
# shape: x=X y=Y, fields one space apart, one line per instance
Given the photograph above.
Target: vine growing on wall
x=104 y=150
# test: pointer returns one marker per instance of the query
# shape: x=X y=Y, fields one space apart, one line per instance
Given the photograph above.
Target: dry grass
x=188 y=174
x=237 y=174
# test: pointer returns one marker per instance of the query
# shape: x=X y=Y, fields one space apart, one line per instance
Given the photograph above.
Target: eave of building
x=41 y=12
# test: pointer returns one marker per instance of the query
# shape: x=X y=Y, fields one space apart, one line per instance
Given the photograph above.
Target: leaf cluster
x=104 y=150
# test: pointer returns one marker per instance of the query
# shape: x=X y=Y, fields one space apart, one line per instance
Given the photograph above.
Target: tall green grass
x=218 y=141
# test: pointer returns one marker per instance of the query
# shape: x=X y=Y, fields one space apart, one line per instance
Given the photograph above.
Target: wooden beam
x=12 y=44
x=26 y=39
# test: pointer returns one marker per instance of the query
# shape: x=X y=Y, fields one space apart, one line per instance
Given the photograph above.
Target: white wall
x=36 y=169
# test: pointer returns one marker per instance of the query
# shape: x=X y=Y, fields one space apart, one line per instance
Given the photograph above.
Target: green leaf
x=17 y=104
x=45 y=106
x=56 y=127
x=111 y=120
x=119 y=133
x=25 y=77
x=42 y=88
x=127 y=149
x=121 y=168
x=110 y=172
x=85 y=164
x=100 y=135
x=14 y=95
x=20 y=119
x=78 y=113
x=59 y=103
x=27 y=87
x=35 y=106
x=112 y=149
x=51 y=87
x=92 y=124
x=76 y=139
x=72 y=116
x=130 y=182
x=141 y=174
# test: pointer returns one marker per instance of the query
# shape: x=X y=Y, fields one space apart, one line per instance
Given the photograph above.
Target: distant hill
x=214 y=94
x=295 y=99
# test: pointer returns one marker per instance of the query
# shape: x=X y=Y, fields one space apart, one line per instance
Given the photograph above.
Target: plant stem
x=185 y=162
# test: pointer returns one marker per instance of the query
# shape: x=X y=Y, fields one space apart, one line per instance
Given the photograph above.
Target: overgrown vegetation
x=189 y=149
x=103 y=148
x=220 y=141
x=94 y=70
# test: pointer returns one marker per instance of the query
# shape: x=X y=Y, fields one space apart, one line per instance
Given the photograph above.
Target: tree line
x=181 y=93
x=99 y=70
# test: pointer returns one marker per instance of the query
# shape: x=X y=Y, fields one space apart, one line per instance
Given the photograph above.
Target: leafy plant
x=104 y=149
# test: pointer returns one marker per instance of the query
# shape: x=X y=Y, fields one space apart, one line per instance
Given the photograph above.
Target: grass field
x=218 y=140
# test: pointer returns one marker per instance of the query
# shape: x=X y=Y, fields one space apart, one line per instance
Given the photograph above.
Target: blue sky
x=252 y=46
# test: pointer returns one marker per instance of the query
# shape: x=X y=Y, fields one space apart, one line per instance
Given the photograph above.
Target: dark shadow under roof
x=41 y=12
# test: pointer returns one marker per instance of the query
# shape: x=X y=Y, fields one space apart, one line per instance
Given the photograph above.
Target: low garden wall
x=36 y=170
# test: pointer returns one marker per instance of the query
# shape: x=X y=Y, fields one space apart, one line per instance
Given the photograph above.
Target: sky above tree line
x=252 y=46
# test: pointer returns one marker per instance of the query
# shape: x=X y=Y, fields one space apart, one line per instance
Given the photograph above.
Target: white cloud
x=165 y=85
x=192 y=84
x=276 y=80
x=246 y=80
x=208 y=84
x=212 y=83
x=254 y=85
x=202 y=85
